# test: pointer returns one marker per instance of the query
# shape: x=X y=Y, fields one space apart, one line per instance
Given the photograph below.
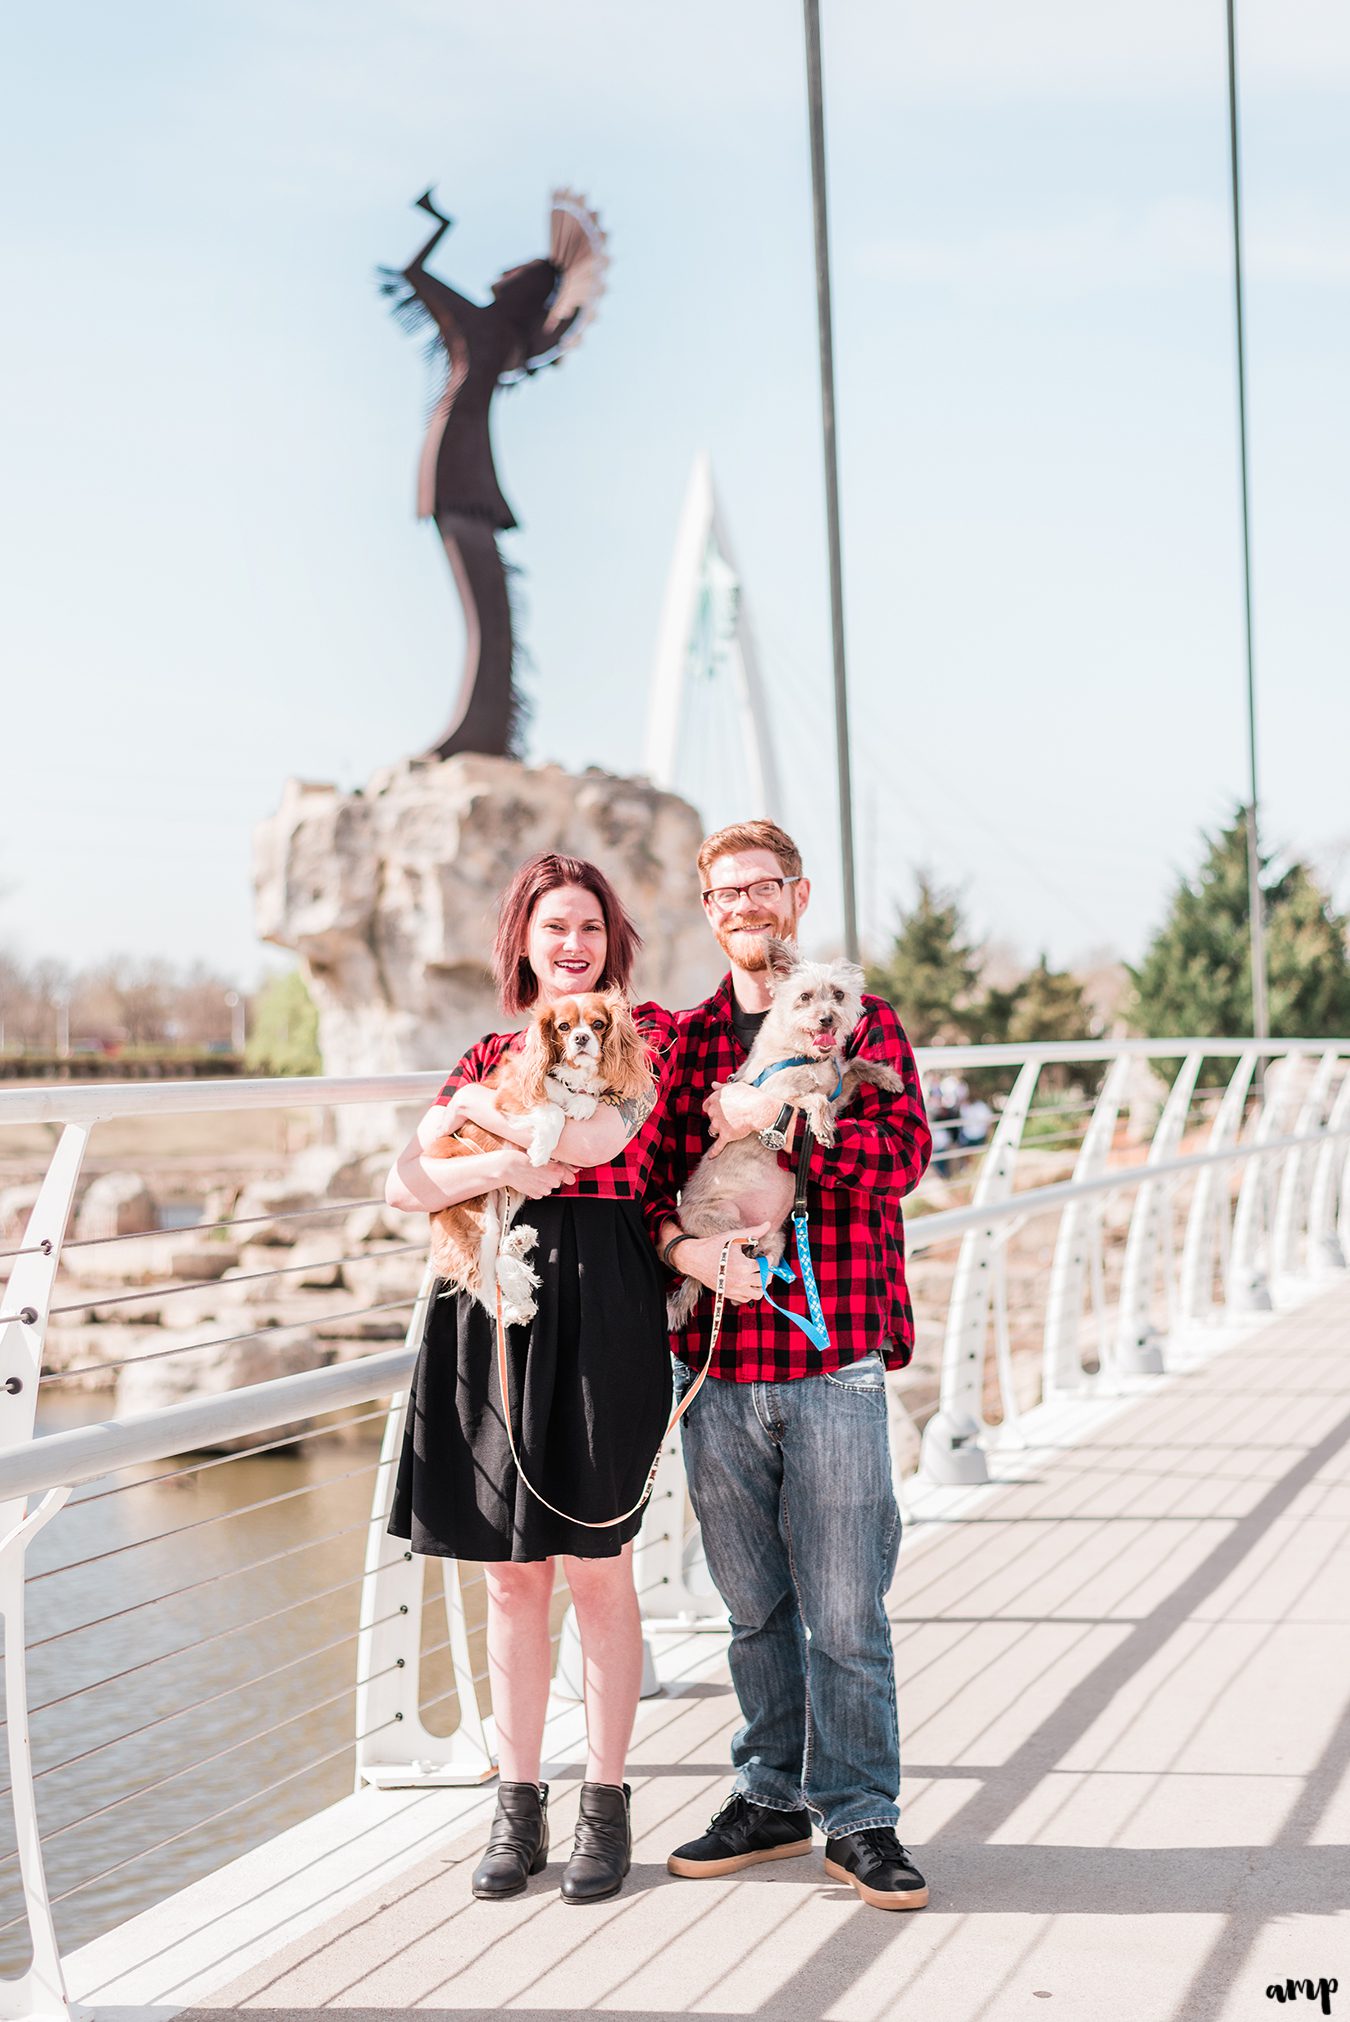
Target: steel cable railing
x=213 y=1818
x=196 y=1586
x=201 y=1523
x=201 y=1761
x=198 y=1643
x=96 y=1305
x=195 y=1705
x=224 y=1460
x=224 y=1222
x=311 y=1321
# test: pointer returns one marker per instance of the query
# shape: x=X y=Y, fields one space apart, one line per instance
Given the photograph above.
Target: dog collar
x=797 y=1060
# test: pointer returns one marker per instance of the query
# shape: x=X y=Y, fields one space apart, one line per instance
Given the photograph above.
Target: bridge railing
x=1084 y=1246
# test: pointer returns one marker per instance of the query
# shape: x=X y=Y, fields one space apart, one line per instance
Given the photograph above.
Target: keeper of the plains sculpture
x=537 y=313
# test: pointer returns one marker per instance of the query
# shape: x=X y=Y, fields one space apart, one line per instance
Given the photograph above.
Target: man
x=785 y=1447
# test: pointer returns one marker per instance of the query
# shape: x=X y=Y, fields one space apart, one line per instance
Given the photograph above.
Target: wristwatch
x=776 y=1136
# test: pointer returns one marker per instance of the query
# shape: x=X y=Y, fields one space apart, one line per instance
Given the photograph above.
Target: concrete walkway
x=1123 y=1676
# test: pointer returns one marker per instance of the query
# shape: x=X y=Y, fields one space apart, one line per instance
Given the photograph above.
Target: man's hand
x=700 y=1257
x=735 y=1110
x=514 y=1170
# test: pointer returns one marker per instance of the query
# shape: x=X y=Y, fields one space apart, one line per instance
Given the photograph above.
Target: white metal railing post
x=1078 y=1244
x=1330 y=1178
x=1247 y=1289
x=1138 y=1345
x=1296 y=1171
x=26 y=1300
x=672 y=1580
x=1204 y=1247
x=950 y=1446
x=394 y=1747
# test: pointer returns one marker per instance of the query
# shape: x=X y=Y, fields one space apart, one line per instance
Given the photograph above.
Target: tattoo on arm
x=634 y=1109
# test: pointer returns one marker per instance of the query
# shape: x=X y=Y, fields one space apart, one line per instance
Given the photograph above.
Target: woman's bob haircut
x=517 y=984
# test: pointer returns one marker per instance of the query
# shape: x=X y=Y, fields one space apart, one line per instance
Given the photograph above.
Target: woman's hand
x=463 y=1107
x=513 y=1169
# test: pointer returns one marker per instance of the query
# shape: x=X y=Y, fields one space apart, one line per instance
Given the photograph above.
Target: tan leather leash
x=608 y=1523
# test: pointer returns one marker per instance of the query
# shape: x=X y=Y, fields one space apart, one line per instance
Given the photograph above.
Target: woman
x=590 y=1383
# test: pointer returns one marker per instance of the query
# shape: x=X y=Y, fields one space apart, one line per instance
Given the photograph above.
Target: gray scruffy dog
x=814 y=1008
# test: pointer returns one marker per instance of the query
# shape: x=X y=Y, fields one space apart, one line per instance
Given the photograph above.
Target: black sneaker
x=742 y=1834
x=875 y=1864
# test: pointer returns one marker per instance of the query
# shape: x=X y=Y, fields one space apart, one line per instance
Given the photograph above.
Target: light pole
x=62 y=1025
x=238 y=1035
x=824 y=319
x=1255 y=903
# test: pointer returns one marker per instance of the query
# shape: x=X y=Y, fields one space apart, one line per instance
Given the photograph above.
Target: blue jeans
x=791 y=1483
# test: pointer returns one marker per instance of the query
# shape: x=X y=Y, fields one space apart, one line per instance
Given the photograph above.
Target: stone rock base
x=389 y=896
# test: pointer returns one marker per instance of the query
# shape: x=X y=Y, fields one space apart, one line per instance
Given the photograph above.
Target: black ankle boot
x=518 y=1843
x=603 y=1852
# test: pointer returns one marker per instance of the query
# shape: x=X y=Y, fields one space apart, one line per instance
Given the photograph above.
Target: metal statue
x=537 y=312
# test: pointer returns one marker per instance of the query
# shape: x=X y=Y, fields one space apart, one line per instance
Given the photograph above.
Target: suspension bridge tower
x=709 y=735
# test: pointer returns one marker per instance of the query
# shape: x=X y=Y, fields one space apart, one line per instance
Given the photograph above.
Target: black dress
x=590 y=1379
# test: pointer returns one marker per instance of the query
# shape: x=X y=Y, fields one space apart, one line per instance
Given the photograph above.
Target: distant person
x=944 y=1120
x=976 y=1117
x=953 y=1090
x=590 y=1380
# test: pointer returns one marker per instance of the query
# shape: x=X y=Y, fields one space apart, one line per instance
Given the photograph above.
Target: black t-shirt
x=746 y=1023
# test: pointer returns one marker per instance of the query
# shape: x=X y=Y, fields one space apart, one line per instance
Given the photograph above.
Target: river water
x=150 y=1666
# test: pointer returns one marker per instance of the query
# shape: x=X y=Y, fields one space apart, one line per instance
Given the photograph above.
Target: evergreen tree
x=285 y=1028
x=990 y=1021
x=1196 y=975
x=1048 y=1005
x=932 y=971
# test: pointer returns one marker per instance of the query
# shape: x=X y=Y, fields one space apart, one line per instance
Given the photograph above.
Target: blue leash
x=814 y=1329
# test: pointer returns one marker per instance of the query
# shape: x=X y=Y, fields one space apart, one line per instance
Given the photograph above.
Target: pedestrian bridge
x=1122 y=1634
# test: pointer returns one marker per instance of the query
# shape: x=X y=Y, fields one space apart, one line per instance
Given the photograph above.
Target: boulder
x=194 y=1261
x=16 y=1205
x=389 y=896
x=380 y=1224
x=315 y=1262
x=116 y=1204
x=384 y=1274
x=272 y=1197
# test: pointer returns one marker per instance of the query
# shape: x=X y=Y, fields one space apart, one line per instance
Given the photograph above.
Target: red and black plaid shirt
x=624 y=1177
x=854 y=1189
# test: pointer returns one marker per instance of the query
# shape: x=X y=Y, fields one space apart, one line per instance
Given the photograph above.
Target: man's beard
x=751 y=955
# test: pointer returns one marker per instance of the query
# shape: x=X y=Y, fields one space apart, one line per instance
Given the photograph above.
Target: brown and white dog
x=578 y=1053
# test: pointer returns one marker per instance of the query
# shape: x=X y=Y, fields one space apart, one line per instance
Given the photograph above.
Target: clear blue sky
x=216 y=579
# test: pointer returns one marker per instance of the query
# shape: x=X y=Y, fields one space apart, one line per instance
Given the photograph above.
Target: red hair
x=517 y=984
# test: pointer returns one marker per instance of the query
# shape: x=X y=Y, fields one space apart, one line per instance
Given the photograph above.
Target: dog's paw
x=517 y=1284
x=816 y=1109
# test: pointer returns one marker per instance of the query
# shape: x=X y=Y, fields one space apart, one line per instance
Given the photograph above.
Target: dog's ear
x=623 y=1057
x=540 y=1052
x=781 y=957
x=850 y=977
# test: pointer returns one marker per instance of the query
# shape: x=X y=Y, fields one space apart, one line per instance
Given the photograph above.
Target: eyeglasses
x=764 y=892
